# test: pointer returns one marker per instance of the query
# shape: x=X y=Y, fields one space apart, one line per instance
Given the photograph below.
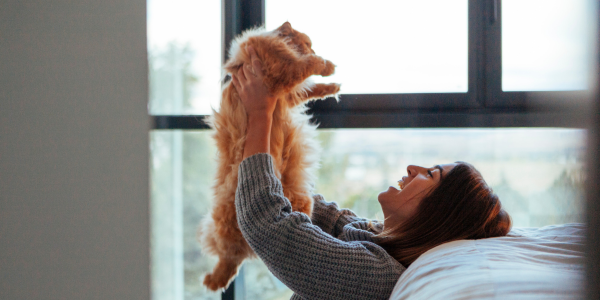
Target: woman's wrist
x=260 y=118
x=258 y=134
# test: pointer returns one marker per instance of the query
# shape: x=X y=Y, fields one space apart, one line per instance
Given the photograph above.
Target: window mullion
x=231 y=24
x=477 y=52
x=492 y=24
x=238 y=15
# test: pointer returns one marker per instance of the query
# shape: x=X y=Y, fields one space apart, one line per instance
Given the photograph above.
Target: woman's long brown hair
x=462 y=206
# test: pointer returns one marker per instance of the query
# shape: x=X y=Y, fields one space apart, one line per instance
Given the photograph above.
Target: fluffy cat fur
x=287 y=61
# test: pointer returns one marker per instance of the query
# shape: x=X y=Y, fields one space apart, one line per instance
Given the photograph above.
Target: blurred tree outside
x=199 y=171
x=562 y=203
x=171 y=79
x=179 y=161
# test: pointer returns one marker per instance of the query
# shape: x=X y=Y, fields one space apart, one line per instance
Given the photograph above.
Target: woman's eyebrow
x=441 y=170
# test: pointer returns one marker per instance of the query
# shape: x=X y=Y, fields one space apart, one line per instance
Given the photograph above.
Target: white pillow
x=529 y=263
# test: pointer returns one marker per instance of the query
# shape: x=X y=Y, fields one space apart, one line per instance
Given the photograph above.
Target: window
x=546 y=45
x=184 y=53
x=396 y=47
x=469 y=86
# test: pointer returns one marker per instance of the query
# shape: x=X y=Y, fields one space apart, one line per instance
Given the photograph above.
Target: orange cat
x=287 y=61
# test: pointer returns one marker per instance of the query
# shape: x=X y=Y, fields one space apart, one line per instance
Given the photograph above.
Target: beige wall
x=73 y=150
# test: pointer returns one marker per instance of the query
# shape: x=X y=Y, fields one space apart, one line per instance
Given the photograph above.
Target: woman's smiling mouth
x=402 y=183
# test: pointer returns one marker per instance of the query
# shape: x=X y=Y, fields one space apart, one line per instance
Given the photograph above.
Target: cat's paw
x=328 y=69
x=335 y=88
x=329 y=89
x=214 y=283
x=322 y=91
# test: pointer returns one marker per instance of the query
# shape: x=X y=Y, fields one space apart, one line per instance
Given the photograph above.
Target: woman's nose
x=413 y=170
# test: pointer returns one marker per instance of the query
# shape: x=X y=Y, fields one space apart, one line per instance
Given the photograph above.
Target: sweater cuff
x=257 y=172
x=260 y=163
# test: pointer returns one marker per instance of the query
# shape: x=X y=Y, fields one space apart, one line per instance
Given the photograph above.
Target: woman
x=335 y=254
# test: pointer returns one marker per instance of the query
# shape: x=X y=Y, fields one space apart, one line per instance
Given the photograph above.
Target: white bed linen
x=529 y=263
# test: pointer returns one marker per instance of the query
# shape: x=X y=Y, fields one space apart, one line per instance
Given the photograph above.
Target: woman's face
x=400 y=204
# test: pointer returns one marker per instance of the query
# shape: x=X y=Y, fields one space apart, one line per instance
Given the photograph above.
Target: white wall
x=73 y=150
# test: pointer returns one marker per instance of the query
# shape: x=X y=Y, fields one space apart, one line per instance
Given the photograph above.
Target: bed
x=529 y=263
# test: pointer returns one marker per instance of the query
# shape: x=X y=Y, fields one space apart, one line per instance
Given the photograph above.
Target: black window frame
x=495 y=97
x=485 y=105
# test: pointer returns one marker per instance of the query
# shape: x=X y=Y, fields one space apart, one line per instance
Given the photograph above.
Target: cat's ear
x=285 y=29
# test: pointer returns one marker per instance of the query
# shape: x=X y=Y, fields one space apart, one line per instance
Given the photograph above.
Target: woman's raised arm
x=312 y=263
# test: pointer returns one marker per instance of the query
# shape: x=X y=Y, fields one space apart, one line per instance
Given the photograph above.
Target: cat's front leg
x=320 y=66
x=329 y=68
x=284 y=77
x=321 y=91
x=308 y=65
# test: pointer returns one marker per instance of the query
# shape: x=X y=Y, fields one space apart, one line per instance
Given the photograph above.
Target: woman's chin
x=391 y=190
x=381 y=195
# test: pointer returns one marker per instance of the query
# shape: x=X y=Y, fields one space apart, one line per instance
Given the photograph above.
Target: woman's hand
x=254 y=94
x=259 y=104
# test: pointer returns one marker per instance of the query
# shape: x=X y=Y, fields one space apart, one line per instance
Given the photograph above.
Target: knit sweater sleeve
x=330 y=218
x=311 y=262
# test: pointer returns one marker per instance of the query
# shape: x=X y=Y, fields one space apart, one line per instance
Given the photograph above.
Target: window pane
x=537 y=173
x=182 y=172
x=388 y=46
x=184 y=56
x=259 y=283
x=547 y=44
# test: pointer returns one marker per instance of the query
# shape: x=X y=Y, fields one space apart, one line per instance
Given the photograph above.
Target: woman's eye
x=429 y=172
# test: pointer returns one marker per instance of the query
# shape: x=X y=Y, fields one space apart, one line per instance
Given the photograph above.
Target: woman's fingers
x=241 y=75
x=247 y=72
x=256 y=64
x=235 y=82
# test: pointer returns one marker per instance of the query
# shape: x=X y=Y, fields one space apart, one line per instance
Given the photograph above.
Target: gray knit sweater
x=331 y=256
